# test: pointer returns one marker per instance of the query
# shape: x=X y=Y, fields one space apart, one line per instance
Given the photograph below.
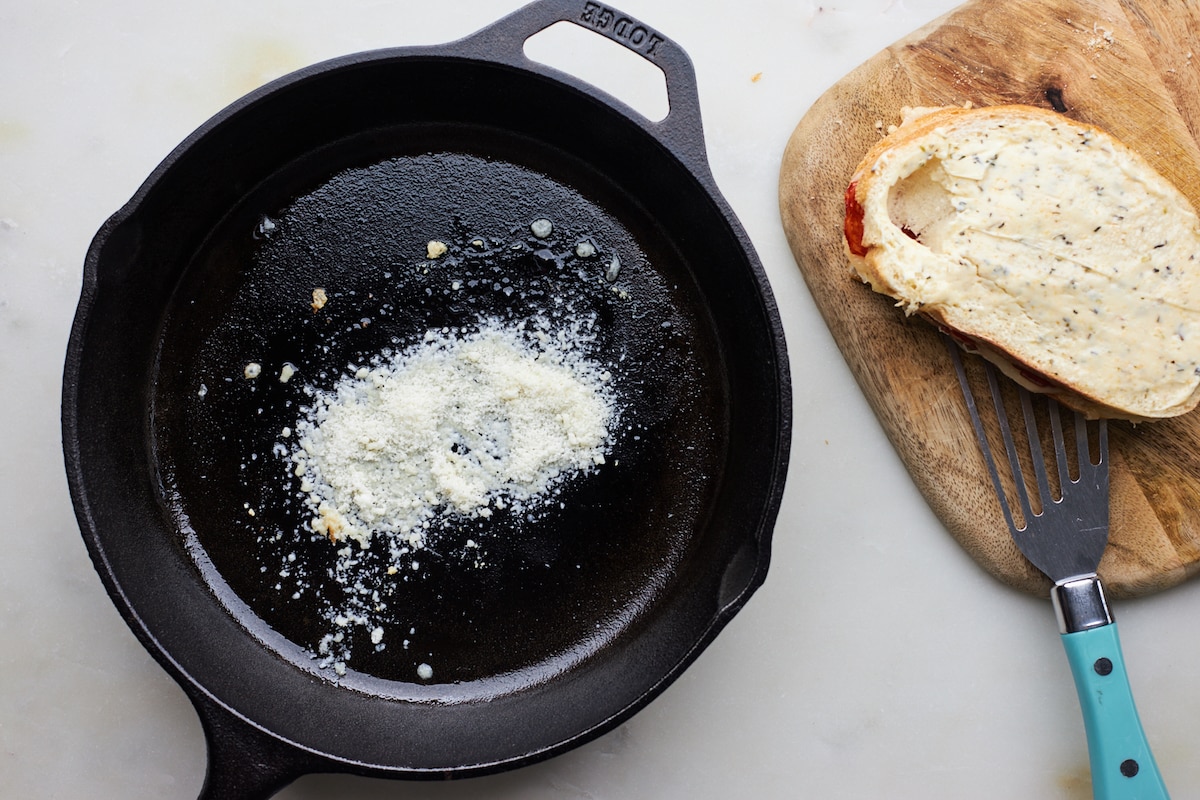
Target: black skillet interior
x=558 y=624
x=531 y=587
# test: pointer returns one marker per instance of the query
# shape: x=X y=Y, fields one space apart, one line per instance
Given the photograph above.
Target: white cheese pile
x=458 y=424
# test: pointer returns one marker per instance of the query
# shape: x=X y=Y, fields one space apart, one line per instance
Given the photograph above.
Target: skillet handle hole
x=603 y=63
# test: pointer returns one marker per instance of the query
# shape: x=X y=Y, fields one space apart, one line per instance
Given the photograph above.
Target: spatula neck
x=1079 y=604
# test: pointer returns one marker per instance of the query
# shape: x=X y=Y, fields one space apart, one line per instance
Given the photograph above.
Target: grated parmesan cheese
x=450 y=426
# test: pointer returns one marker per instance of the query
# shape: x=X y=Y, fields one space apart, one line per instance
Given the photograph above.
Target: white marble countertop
x=877 y=661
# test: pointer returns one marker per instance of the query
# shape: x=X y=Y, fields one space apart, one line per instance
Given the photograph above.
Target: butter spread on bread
x=1046 y=244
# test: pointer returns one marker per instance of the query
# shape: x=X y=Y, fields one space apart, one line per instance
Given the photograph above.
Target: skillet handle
x=244 y=763
x=681 y=130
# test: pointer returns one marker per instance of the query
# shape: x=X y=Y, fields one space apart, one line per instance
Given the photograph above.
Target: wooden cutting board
x=1124 y=65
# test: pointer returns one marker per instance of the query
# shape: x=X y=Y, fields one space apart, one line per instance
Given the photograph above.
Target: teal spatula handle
x=1123 y=767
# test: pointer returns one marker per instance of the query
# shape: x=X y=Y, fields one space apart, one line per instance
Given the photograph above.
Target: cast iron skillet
x=545 y=630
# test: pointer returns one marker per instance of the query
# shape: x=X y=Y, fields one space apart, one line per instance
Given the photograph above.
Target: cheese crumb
x=319 y=299
x=436 y=249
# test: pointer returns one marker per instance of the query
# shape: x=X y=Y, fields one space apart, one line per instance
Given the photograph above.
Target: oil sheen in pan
x=551 y=588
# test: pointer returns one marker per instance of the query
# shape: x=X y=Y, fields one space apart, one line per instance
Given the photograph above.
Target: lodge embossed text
x=623 y=29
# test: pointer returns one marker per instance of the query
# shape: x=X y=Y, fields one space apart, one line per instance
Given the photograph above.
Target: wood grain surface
x=1124 y=65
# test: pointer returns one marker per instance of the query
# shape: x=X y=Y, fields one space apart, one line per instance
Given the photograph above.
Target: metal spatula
x=1065 y=540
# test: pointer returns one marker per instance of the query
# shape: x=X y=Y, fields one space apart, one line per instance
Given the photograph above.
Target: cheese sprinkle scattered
x=454 y=425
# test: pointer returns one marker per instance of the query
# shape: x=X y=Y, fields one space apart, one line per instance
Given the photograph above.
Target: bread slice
x=1045 y=244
